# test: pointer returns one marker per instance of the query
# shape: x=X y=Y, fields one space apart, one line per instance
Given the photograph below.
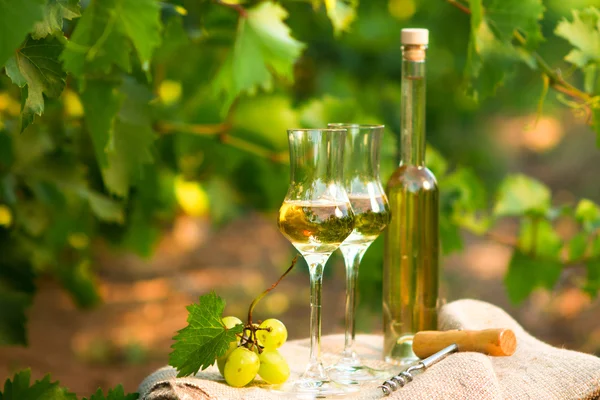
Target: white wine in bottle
x=411 y=270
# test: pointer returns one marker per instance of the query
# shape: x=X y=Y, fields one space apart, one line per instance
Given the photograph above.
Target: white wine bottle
x=411 y=270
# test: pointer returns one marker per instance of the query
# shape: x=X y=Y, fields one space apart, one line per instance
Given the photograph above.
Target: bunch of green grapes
x=255 y=353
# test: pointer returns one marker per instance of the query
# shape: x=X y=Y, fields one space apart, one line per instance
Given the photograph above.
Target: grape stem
x=263 y=294
x=221 y=132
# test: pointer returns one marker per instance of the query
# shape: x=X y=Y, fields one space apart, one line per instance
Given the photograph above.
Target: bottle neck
x=412 y=134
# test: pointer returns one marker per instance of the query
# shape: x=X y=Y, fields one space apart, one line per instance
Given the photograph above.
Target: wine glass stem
x=352 y=257
x=316 y=263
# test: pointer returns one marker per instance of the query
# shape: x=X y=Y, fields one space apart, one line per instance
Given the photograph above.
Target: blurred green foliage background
x=117 y=117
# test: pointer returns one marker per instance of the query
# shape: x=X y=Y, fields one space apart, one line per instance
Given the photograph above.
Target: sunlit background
x=220 y=231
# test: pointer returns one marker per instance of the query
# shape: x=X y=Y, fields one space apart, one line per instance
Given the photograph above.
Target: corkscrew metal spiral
x=404 y=377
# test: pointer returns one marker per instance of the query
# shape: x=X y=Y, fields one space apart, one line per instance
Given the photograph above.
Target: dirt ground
x=130 y=334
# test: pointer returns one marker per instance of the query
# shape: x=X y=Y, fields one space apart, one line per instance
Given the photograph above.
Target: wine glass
x=316 y=217
x=371 y=216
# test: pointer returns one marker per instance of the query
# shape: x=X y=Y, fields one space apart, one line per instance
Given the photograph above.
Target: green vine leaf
x=16 y=20
x=101 y=100
x=507 y=16
x=12 y=324
x=19 y=388
x=537 y=237
x=54 y=13
x=96 y=43
x=592 y=286
x=526 y=274
x=519 y=195
x=106 y=32
x=490 y=52
x=105 y=208
x=263 y=47
x=584 y=34
x=588 y=214
x=113 y=394
x=79 y=281
x=577 y=246
x=198 y=345
x=36 y=69
x=141 y=22
x=118 y=118
x=341 y=13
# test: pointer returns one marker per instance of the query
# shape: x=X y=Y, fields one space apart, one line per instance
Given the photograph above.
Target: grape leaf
x=79 y=281
x=128 y=149
x=35 y=68
x=506 y=16
x=19 y=389
x=105 y=32
x=490 y=52
x=101 y=101
x=266 y=129
x=471 y=194
x=97 y=43
x=122 y=139
x=436 y=162
x=16 y=20
x=54 y=13
x=520 y=194
x=526 y=274
x=538 y=237
x=593 y=278
x=341 y=13
x=104 y=207
x=113 y=394
x=263 y=42
x=588 y=214
x=577 y=246
x=483 y=75
x=319 y=112
x=14 y=305
x=198 y=345
x=17 y=286
x=450 y=237
x=527 y=270
x=141 y=22
x=584 y=34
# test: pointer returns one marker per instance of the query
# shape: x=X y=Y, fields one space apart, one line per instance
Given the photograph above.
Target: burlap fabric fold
x=536 y=371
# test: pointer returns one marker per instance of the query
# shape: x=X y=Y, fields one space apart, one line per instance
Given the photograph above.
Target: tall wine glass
x=316 y=217
x=371 y=216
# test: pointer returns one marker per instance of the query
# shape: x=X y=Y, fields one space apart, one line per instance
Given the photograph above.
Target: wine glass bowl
x=371 y=216
x=316 y=217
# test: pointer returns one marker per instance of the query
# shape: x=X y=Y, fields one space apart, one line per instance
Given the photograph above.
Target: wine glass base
x=313 y=389
x=355 y=374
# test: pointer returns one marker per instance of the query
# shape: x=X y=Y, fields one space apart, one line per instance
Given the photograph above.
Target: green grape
x=274 y=338
x=223 y=359
x=229 y=323
x=241 y=367
x=273 y=367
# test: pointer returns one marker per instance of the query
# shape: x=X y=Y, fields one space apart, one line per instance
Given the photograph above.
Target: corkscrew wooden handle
x=495 y=342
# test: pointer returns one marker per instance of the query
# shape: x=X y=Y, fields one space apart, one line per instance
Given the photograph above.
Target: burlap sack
x=536 y=371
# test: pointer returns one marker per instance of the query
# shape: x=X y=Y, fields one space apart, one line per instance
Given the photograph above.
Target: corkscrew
x=404 y=377
x=495 y=342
